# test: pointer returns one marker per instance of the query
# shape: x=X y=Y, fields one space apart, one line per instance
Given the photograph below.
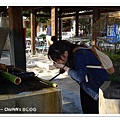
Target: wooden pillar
x=96 y=16
x=60 y=25
x=33 y=31
x=54 y=20
x=17 y=38
x=77 y=23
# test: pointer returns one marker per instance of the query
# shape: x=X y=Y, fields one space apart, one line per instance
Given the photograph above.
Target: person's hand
x=58 y=65
x=61 y=70
x=62 y=67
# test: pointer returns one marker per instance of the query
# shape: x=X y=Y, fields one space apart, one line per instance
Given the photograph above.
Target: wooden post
x=96 y=16
x=33 y=32
x=77 y=24
x=17 y=38
x=60 y=27
x=54 y=20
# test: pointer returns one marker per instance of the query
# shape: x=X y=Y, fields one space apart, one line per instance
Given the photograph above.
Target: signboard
x=113 y=33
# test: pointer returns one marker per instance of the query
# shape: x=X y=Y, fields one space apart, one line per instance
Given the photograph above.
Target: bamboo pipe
x=14 y=79
x=47 y=82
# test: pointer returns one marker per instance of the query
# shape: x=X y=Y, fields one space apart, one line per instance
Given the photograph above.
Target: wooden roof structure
x=67 y=11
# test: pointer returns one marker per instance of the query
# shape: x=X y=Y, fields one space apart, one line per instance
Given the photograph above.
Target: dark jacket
x=96 y=76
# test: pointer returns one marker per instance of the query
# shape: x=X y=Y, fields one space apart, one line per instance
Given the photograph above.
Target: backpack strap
x=77 y=48
x=88 y=66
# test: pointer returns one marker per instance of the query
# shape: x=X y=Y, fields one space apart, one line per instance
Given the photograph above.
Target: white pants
x=49 y=41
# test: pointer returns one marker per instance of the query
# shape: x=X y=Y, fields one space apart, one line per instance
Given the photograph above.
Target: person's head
x=54 y=38
x=61 y=51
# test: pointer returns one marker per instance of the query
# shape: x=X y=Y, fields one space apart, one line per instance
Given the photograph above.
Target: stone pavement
x=43 y=68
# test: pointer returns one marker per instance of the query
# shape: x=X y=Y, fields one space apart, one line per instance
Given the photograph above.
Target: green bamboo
x=46 y=82
x=14 y=79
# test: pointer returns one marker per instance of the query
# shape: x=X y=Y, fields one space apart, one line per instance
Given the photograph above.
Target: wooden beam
x=90 y=13
x=37 y=15
x=74 y=14
x=25 y=8
x=17 y=38
x=33 y=31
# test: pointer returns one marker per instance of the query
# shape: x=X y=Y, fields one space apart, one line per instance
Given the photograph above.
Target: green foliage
x=43 y=19
x=100 y=24
x=85 y=24
x=115 y=58
x=28 y=32
x=116 y=62
x=118 y=52
x=43 y=36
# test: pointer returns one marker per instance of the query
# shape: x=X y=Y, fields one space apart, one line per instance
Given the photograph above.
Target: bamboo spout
x=46 y=82
x=14 y=79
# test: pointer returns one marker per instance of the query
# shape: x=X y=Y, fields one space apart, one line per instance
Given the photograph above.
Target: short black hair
x=54 y=38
